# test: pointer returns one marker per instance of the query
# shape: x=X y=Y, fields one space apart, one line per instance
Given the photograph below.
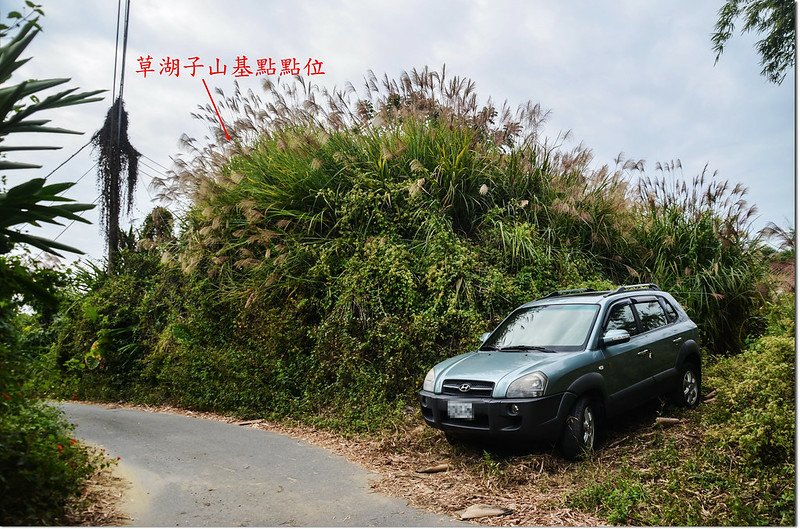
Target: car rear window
x=672 y=315
x=651 y=315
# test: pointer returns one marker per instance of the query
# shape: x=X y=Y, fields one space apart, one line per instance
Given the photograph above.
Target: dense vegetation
x=347 y=242
x=42 y=467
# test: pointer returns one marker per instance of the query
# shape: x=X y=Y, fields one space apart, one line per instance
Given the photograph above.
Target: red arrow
x=228 y=136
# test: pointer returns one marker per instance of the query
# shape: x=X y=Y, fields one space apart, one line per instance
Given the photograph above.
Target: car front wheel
x=453 y=439
x=580 y=430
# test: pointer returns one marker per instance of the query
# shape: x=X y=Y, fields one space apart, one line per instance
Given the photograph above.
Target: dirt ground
x=99 y=503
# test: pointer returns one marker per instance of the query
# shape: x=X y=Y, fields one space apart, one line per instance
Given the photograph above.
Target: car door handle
x=677 y=340
x=643 y=352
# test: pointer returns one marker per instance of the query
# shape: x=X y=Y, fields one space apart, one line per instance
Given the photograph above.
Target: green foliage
x=785 y=239
x=775 y=19
x=22 y=205
x=20 y=282
x=15 y=113
x=693 y=241
x=326 y=264
x=620 y=499
x=17 y=19
x=41 y=466
x=753 y=417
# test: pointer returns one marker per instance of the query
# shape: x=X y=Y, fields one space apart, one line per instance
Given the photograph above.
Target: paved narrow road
x=196 y=472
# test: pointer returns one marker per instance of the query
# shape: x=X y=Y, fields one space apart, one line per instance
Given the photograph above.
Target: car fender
x=689 y=348
x=589 y=382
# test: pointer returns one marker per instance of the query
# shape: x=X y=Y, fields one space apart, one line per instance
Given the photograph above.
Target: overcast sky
x=626 y=76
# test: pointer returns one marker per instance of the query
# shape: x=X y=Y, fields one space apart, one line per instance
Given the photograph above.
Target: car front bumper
x=538 y=418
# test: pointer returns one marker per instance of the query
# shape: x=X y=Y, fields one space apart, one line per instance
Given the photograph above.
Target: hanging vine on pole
x=118 y=162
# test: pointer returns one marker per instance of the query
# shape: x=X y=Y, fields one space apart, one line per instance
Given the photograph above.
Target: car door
x=678 y=332
x=654 y=326
x=628 y=375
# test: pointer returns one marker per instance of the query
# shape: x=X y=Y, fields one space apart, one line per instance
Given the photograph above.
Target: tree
x=22 y=204
x=36 y=480
x=776 y=18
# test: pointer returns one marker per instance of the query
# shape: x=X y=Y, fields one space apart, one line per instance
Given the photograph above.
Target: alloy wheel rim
x=689 y=387
x=588 y=428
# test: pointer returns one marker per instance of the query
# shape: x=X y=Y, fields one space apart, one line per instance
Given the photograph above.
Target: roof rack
x=570 y=292
x=629 y=288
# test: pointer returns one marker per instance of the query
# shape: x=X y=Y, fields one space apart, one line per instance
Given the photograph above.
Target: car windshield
x=546 y=327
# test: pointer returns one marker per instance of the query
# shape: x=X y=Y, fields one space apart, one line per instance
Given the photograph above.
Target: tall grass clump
x=345 y=241
x=694 y=240
x=348 y=239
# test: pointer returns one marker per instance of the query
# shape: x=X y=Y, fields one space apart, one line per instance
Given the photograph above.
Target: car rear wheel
x=687 y=393
x=580 y=430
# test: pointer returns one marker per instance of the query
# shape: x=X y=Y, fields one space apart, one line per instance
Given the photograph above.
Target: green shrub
x=41 y=465
x=693 y=241
x=754 y=412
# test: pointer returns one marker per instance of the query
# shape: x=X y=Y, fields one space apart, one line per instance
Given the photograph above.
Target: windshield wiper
x=526 y=348
x=488 y=348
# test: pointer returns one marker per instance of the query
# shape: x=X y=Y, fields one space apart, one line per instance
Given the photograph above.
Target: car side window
x=672 y=314
x=651 y=315
x=621 y=317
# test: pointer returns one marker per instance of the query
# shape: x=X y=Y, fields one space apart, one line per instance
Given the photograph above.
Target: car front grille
x=476 y=388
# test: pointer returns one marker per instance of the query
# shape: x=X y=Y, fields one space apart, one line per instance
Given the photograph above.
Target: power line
x=67 y=227
x=116 y=51
x=160 y=177
x=84 y=174
x=155 y=162
x=146 y=188
x=153 y=177
x=154 y=169
x=67 y=160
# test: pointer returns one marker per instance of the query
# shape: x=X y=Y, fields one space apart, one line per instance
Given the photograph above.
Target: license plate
x=460 y=410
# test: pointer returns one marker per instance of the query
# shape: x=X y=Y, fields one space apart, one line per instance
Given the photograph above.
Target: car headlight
x=430 y=378
x=531 y=385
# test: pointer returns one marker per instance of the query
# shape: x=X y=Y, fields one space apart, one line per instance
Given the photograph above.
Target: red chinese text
x=240 y=66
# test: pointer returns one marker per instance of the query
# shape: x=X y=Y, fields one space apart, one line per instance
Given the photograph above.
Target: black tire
x=457 y=440
x=454 y=439
x=580 y=430
x=687 y=392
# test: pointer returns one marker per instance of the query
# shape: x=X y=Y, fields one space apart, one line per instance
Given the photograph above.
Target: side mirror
x=615 y=336
x=485 y=336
